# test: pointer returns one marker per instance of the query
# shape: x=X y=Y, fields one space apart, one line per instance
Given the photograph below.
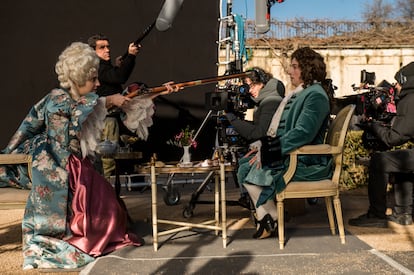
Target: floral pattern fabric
x=51 y=134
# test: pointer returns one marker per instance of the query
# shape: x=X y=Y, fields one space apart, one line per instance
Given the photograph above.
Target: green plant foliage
x=355 y=160
x=354 y=171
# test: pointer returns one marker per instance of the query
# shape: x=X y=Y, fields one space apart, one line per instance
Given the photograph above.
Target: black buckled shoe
x=266 y=227
x=403 y=219
x=369 y=220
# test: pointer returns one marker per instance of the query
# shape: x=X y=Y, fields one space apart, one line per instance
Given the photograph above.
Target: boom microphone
x=167 y=14
x=262 y=20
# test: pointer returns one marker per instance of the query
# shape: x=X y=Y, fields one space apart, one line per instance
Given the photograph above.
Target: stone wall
x=344 y=65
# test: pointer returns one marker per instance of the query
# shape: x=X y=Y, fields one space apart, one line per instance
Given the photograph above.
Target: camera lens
x=243 y=89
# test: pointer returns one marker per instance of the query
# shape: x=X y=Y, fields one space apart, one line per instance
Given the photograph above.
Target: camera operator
x=400 y=163
x=266 y=92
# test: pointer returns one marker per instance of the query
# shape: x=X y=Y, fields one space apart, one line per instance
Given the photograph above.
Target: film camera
x=233 y=98
x=230 y=98
x=374 y=103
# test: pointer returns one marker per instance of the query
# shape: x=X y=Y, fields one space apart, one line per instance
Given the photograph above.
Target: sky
x=351 y=10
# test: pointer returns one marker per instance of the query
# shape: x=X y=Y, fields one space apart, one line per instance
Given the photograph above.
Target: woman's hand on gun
x=171 y=88
x=116 y=100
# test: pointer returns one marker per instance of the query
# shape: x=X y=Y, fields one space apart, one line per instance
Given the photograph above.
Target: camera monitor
x=367 y=78
x=217 y=101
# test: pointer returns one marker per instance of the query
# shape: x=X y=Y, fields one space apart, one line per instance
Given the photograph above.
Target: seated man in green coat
x=301 y=118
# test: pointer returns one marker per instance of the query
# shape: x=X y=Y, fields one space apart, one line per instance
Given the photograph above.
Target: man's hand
x=255 y=158
x=134 y=49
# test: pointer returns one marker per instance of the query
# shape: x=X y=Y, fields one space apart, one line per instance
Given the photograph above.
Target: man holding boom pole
x=111 y=78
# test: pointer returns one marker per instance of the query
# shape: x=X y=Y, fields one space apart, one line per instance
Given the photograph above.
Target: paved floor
x=310 y=248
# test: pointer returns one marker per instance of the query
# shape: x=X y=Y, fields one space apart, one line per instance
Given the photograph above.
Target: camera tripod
x=230 y=154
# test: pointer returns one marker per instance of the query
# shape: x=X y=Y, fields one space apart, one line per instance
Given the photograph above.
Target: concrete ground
x=310 y=248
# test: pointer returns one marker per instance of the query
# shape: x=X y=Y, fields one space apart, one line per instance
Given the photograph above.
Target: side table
x=219 y=200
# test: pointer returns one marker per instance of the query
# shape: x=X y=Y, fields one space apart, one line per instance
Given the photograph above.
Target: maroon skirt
x=98 y=222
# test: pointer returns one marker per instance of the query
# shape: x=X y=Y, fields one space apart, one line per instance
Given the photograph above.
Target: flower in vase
x=184 y=138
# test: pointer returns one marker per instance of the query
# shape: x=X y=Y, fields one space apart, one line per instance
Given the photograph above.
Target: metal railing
x=314 y=29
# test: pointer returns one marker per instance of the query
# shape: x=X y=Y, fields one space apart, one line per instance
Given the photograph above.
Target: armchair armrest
x=319 y=149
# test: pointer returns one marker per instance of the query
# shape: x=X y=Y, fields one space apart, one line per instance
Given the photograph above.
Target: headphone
x=259 y=74
x=401 y=79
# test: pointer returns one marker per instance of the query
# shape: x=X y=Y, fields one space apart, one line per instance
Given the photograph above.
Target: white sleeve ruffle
x=92 y=128
x=138 y=115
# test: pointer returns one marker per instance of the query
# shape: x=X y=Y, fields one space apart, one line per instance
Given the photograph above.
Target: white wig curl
x=76 y=64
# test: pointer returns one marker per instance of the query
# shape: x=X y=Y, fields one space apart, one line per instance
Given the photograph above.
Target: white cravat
x=274 y=124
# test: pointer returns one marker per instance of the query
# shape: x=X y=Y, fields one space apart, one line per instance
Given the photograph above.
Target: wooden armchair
x=18 y=159
x=334 y=145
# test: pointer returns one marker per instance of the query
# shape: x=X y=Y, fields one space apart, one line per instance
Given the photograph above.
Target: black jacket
x=402 y=128
x=112 y=78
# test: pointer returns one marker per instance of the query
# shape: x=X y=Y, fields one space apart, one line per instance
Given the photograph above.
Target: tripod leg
x=188 y=210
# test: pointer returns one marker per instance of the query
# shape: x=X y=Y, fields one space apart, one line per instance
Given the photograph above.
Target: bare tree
x=405 y=9
x=377 y=11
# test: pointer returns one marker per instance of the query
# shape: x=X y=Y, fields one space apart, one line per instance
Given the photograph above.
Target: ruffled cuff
x=137 y=116
x=92 y=128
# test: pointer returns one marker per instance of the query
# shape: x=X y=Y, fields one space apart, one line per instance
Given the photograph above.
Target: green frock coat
x=303 y=122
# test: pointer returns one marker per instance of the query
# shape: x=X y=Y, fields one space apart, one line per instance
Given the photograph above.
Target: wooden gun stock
x=182 y=85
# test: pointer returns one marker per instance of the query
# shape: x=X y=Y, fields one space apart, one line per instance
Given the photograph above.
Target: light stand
x=234 y=64
x=219 y=100
x=230 y=42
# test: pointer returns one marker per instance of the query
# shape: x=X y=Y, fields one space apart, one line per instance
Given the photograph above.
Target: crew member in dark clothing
x=397 y=162
x=266 y=92
x=111 y=78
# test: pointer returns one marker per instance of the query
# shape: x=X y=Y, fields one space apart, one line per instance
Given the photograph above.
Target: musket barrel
x=160 y=89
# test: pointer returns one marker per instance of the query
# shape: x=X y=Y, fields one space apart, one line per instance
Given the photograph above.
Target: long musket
x=182 y=85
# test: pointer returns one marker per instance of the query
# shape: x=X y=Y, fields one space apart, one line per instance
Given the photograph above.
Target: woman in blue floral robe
x=72 y=213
